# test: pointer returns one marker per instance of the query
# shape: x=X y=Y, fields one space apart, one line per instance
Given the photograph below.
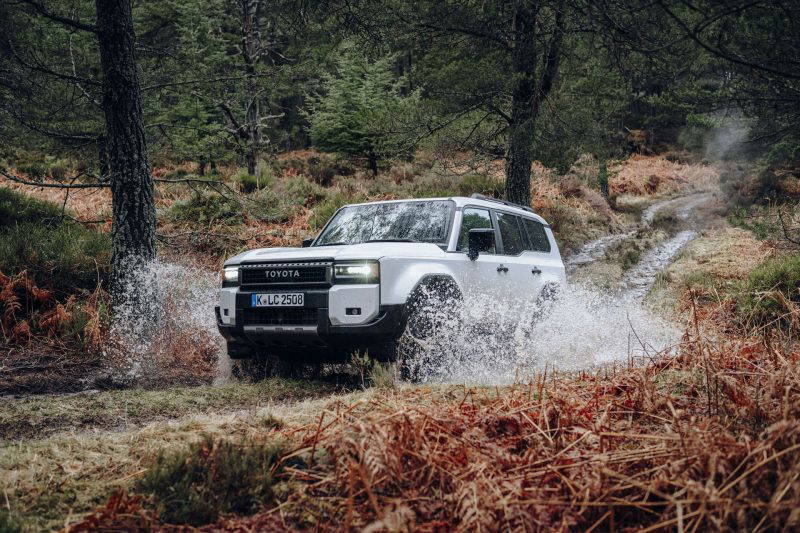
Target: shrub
x=210 y=477
x=281 y=202
x=433 y=184
x=325 y=210
x=62 y=258
x=58 y=254
x=322 y=169
x=178 y=173
x=753 y=219
x=32 y=169
x=206 y=207
x=269 y=206
x=247 y=182
x=19 y=208
x=481 y=183
x=772 y=294
x=300 y=191
x=7 y=523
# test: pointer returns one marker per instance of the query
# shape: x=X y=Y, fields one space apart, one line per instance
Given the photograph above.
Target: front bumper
x=316 y=339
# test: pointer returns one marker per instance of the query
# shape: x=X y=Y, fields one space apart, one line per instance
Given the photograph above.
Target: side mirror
x=480 y=240
x=307 y=242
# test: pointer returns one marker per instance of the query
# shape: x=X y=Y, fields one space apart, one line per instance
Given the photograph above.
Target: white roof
x=462 y=201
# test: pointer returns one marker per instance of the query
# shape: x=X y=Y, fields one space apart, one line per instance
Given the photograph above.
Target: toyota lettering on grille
x=287 y=273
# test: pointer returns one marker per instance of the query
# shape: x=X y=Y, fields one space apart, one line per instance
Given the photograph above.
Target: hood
x=371 y=250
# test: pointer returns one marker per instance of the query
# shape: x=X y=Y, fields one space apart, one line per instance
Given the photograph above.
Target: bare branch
x=17 y=179
x=66 y=21
x=694 y=34
x=785 y=229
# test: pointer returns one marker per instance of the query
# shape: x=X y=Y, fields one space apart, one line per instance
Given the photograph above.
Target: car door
x=522 y=275
x=542 y=255
x=479 y=278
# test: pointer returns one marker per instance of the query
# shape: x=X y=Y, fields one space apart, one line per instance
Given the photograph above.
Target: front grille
x=280 y=317
x=286 y=273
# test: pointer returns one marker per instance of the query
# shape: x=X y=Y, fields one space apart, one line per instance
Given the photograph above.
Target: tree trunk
x=372 y=159
x=134 y=215
x=251 y=46
x=523 y=104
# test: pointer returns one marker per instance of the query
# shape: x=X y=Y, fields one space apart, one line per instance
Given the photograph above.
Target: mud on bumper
x=312 y=337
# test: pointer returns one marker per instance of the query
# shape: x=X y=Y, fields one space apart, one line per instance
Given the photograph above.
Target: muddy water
x=640 y=278
x=596 y=249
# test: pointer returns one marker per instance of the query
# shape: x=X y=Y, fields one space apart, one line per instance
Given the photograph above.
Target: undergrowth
x=213 y=476
x=56 y=252
x=771 y=296
x=707 y=439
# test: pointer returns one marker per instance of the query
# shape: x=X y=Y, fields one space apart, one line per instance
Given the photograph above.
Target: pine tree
x=362 y=111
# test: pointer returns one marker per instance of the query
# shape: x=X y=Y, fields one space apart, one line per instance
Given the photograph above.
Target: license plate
x=278 y=299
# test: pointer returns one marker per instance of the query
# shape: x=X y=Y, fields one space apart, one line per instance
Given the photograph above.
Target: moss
x=772 y=292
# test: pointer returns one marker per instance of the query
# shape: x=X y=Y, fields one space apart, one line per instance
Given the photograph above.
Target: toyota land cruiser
x=373 y=269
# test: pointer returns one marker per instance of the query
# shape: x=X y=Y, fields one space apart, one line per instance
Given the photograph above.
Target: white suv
x=371 y=272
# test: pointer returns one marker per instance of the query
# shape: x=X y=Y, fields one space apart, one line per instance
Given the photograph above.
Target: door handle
x=536 y=271
x=502 y=268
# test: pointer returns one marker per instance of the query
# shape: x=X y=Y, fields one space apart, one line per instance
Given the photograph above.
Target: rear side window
x=473 y=218
x=537 y=237
x=514 y=242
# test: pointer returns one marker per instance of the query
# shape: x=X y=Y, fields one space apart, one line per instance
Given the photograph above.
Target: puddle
x=640 y=278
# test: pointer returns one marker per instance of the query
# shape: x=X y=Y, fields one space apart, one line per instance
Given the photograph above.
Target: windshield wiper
x=391 y=240
x=338 y=243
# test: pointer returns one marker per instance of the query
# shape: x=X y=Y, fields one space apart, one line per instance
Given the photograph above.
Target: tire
x=431 y=308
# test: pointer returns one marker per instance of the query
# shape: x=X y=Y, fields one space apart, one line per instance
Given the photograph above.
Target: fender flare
x=443 y=280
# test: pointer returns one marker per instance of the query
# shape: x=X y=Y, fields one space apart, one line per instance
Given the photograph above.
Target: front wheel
x=433 y=317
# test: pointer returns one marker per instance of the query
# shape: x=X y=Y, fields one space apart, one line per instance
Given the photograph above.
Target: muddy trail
x=638 y=280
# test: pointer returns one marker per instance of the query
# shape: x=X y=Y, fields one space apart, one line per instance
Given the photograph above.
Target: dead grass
x=644 y=175
x=84 y=204
x=39 y=416
x=707 y=440
x=112 y=437
x=716 y=264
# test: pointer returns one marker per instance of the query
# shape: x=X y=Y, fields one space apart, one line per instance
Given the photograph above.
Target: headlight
x=357 y=272
x=230 y=276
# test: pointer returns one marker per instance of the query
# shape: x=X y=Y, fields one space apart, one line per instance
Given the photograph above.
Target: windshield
x=425 y=221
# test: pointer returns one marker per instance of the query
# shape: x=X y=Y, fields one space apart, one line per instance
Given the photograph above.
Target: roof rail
x=479 y=196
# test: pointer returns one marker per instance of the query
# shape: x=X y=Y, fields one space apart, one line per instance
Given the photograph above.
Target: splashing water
x=490 y=343
x=179 y=317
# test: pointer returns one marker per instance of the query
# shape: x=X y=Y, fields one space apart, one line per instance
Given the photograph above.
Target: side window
x=473 y=218
x=537 y=236
x=511 y=231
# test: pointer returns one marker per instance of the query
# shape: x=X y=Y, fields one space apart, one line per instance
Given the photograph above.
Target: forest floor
x=611 y=444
